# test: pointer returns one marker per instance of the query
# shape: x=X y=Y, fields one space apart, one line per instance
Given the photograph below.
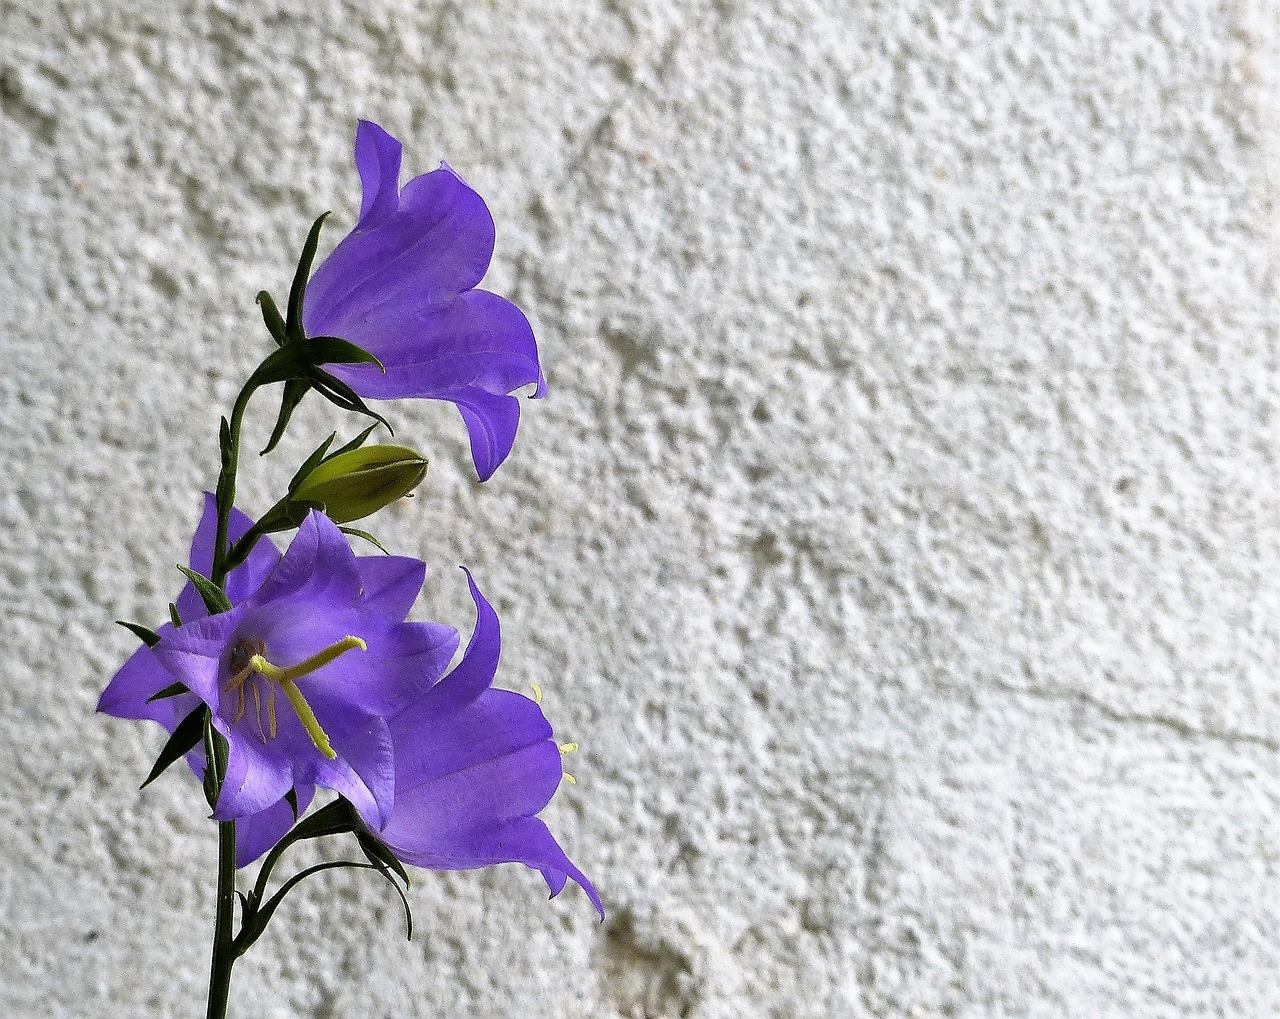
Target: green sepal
x=297 y=359
x=311 y=462
x=285 y=514
x=215 y=600
x=378 y=853
x=355 y=532
x=148 y=637
x=174 y=618
x=355 y=443
x=216 y=750
x=272 y=318
x=336 y=350
x=224 y=441
x=294 y=391
x=172 y=690
x=293 y=326
x=188 y=733
x=342 y=395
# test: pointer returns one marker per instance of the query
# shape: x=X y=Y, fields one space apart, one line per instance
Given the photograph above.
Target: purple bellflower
x=300 y=674
x=402 y=286
x=473 y=766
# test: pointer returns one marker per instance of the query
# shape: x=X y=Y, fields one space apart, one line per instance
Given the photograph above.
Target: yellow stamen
x=537 y=693
x=568 y=748
x=316 y=661
x=257 y=710
x=285 y=678
x=308 y=719
x=570 y=779
x=271 y=712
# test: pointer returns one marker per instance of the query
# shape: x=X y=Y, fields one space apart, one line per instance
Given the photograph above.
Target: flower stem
x=224 y=953
x=224 y=956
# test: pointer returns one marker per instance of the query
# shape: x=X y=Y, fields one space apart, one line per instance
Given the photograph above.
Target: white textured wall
x=900 y=539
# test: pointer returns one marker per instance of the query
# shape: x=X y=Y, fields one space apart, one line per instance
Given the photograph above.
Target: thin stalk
x=224 y=954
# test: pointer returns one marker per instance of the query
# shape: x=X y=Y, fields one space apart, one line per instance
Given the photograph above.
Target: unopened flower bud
x=359 y=482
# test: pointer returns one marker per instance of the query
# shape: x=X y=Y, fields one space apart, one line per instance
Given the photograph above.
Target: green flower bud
x=359 y=482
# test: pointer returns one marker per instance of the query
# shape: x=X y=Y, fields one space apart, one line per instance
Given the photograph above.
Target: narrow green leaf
x=272 y=317
x=294 y=391
x=355 y=532
x=355 y=443
x=311 y=462
x=148 y=637
x=335 y=350
x=184 y=738
x=173 y=615
x=172 y=690
x=293 y=326
x=215 y=600
x=377 y=852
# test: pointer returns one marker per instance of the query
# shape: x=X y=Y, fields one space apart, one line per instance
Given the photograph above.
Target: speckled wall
x=900 y=537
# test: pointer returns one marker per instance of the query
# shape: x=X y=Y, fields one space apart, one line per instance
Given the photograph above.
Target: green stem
x=224 y=954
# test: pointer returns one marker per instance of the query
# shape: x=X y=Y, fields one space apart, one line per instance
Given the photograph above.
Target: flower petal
x=476 y=339
x=364 y=771
x=390 y=584
x=256 y=776
x=378 y=163
x=318 y=565
x=259 y=832
x=491 y=424
x=524 y=840
x=437 y=244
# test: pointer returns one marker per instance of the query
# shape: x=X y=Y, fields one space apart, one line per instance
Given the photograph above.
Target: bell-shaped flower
x=473 y=767
x=299 y=675
x=402 y=286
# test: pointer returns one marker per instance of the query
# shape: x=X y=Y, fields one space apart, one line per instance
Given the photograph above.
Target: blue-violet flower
x=300 y=675
x=474 y=765
x=402 y=286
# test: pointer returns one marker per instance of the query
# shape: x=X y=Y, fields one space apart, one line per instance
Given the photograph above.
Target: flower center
x=247 y=659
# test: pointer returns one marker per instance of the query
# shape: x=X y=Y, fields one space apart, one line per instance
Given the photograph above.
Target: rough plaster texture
x=900 y=540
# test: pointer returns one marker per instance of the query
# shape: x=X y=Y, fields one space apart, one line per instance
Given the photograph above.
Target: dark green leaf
x=355 y=532
x=294 y=391
x=184 y=739
x=355 y=443
x=293 y=327
x=215 y=600
x=272 y=317
x=172 y=690
x=148 y=637
x=311 y=462
x=378 y=853
x=173 y=615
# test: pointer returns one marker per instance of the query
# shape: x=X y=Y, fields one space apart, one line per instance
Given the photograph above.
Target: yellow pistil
x=285 y=678
x=537 y=692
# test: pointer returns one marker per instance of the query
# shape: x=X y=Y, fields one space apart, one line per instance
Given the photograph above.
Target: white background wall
x=900 y=539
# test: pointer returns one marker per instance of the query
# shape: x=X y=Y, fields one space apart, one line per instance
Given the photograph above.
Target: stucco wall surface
x=900 y=538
